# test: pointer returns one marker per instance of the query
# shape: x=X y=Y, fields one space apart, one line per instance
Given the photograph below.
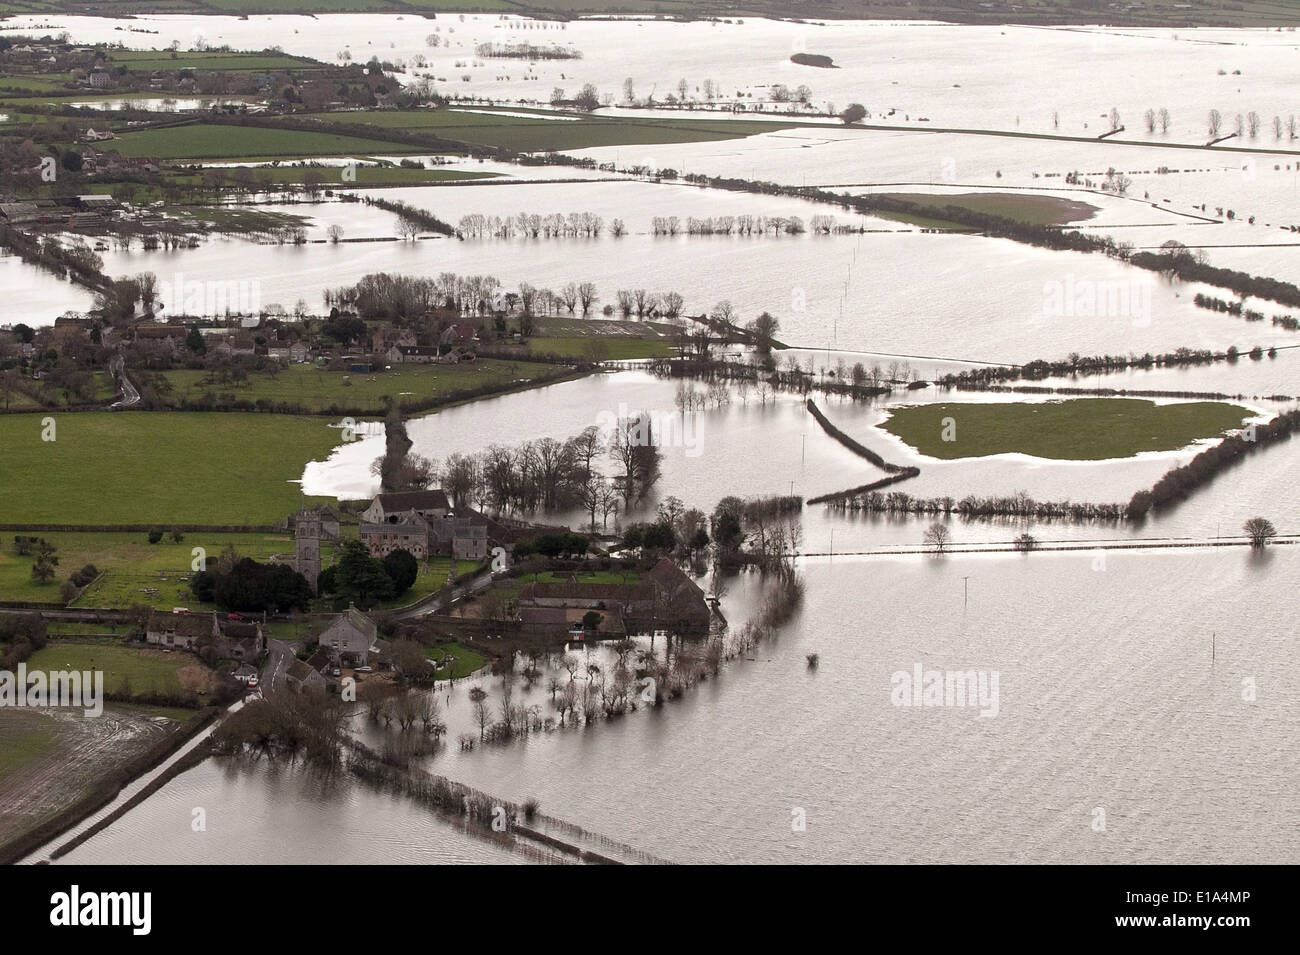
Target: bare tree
x=938 y=537
x=1215 y=123
x=1149 y=117
x=1259 y=530
x=1164 y=120
x=569 y=296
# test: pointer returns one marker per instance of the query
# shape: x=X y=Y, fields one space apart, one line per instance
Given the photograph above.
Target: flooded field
x=1122 y=663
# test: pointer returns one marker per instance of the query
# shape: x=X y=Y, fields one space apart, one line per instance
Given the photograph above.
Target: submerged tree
x=1259 y=530
x=938 y=537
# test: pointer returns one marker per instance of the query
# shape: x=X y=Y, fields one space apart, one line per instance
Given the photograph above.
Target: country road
x=130 y=396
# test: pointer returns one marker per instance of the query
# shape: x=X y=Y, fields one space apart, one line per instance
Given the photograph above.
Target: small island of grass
x=813 y=59
x=1080 y=429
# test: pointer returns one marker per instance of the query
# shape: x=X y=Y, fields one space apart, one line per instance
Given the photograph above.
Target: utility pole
x=965 y=586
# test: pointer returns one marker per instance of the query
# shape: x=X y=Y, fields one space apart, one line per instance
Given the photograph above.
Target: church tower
x=306 y=533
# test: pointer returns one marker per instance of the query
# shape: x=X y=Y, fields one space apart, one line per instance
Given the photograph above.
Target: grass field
x=208 y=141
x=319 y=389
x=544 y=134
x=432 y=578
x=618 y=340
x=1081 y=429
x=366 y=176
x=463 y=660
x=130 y=565
x=173 y=468
x=146 y=671
x=1029 y=208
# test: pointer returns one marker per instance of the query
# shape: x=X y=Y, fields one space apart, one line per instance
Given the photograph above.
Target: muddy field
x=51 y=756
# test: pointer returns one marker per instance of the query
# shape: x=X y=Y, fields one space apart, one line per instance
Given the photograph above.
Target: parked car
x=364 y=670
x=252 y=682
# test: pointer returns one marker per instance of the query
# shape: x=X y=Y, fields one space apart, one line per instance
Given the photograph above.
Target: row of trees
x=1248 y=124
x=1016 y=505
x=1181 y=481
x=476 y=225
x=733 y=225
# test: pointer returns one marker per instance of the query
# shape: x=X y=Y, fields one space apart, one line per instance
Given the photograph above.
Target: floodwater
x=1107 y=699
x=710 y=453
x=1144 y=714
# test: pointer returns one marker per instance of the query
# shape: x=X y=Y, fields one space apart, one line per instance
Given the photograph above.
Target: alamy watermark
x=236 y=296
x=1091 y=298
x=73 y=689
x=952 y=688
x=662 y=429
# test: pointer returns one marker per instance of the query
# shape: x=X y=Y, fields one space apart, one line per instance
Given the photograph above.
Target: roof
x=238 y=629
x=420 y=500
x=351 y=630
x=185 y=624
x=406 y=527
x=300 y=672
x=555 y=615
x=628 y=593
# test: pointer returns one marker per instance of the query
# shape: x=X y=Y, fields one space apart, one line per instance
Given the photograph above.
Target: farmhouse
x=387 y=506
x=667 y=599
x=350 y=638
x=232 y=636
x=448 y=535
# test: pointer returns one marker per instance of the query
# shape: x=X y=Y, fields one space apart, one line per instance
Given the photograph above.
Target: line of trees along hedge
x=1182 y=481
x=1091 y=365
x=838 y=497
x=1017 y=505
x=426 y=220
x=854 y=446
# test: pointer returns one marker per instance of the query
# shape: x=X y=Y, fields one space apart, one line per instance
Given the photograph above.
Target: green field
x=1081 y=429
x=146 y=670
x=366 y=176
x=1023 y=207
x=432 y=578
x=545 y=134
x=317 y=389
x=618 y=340
x=143 y=468
x=466 y=661
x=208 y=141
x=130 y=567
